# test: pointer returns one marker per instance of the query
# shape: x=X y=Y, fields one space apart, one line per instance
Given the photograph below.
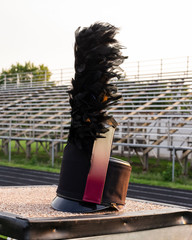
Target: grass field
x=159 y=173
x=2 y=237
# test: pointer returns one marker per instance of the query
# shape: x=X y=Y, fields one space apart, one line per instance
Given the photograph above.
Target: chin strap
x=99 y=165
x=112 y=122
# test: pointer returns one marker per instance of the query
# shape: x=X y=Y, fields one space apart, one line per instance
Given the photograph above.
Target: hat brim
x=73 y=206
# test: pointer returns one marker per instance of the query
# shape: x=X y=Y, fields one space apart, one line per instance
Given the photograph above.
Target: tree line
x=25 y=72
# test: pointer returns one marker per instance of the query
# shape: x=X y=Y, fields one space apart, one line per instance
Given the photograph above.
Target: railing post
x=45 y=78
x=61 y=134
x=138 y=69
x=187 y=65
x=161 y=72
x=61 y=76
x=168 y=133
x=9 y=150
x=18 y=80
x=158 y=136
x=5 y=81
x=173 y=164
x=33 y=129
x=10 y=141
x=31 y=79
x=52 y=162
x=128 y=139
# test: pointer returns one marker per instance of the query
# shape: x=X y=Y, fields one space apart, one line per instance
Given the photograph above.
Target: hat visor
x=68 y=205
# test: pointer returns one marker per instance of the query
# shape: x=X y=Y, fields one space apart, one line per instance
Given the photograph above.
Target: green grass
x=37 y=160
x=156 y=180
x=2 y=237
x=159 y=173
x=30 y=166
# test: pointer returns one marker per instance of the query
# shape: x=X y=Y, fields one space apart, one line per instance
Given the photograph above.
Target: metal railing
x=158 y=67
x=139 y=70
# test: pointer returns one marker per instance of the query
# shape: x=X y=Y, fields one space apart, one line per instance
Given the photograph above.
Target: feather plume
x=97 y=59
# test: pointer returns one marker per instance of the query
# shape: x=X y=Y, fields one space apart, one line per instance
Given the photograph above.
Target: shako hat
x=91 y=180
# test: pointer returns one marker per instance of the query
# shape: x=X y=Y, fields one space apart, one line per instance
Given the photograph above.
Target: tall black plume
x=97 y=59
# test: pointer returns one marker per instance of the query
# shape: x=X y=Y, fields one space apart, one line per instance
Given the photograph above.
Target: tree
x=26 y=72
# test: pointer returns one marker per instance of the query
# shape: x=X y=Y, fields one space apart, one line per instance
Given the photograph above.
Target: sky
x=42 y=31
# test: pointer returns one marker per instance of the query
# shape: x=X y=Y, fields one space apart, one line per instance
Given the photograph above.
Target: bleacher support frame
x=155 y=113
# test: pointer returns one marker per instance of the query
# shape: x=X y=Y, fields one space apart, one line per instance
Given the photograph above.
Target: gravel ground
x=35 y=202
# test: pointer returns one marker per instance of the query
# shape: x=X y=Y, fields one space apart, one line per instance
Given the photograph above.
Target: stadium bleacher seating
x=152 y=112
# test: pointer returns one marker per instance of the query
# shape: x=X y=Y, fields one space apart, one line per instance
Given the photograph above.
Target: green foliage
x=167 y=173
x=190 y=172
x=156 y=180
x=2 y=237
x=25 y=72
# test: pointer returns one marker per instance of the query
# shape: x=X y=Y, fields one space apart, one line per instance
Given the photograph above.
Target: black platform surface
x=137 y=225
x=10 y=176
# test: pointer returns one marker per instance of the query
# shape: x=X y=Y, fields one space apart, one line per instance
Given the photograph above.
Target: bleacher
x=35 y=114
x=155 y=113
x=154 y=116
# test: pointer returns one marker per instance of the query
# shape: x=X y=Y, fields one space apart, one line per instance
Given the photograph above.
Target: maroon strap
x=99 y=165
